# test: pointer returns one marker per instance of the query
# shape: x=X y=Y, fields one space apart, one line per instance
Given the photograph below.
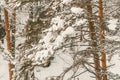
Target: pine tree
x=93 y=40
x=13 y=30
x=40 y=27
x=9 y=47
x=102 y=39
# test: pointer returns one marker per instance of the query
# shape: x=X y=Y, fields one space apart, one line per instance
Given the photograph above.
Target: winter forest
x=59 y=39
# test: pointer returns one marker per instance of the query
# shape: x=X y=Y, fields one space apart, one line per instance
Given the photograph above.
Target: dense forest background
x=60 y=39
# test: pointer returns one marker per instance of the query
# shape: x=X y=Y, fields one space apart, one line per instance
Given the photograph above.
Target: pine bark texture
x=102 y=37
x=7 y=30
x=93 y=38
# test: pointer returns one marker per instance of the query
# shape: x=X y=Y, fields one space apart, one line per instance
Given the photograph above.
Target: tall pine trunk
x=7 y=30
x=93 y=40
x=13 y=26
x=102 y=38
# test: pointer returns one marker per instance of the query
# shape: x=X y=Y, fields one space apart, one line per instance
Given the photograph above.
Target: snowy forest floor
x=56 y=67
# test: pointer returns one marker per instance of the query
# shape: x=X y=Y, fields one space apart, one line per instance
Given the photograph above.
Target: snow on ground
x=116 y=68
x=60 y=63
x=3 y=69
x=57 y=66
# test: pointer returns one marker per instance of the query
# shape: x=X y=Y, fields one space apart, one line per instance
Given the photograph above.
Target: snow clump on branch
x=77 y=10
